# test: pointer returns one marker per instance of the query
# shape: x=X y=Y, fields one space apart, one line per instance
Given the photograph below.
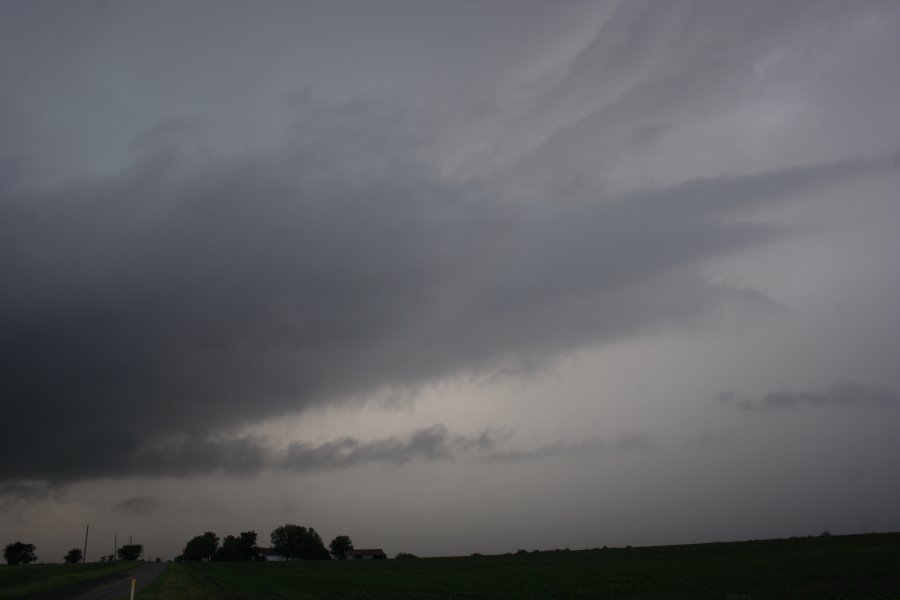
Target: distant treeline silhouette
x=289 y=542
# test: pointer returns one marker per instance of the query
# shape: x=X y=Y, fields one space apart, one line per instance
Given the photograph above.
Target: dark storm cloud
x=849 y=394
x=122 y=454
x=141 y=506
x=184 y=297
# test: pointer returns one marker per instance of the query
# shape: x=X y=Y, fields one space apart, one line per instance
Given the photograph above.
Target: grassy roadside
x=22 y=581
x=837 y=567
x=179 y=582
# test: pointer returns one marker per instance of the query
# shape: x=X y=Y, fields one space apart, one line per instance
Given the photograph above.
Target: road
x=113 y=587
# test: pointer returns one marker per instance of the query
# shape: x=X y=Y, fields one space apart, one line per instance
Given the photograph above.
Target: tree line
x=293 y=542
x=20 y=553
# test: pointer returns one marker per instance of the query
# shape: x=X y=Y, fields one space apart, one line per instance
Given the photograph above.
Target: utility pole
x=115 y=544
x=84 y=554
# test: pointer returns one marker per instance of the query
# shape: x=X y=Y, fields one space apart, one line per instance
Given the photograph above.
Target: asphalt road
x=113 y=587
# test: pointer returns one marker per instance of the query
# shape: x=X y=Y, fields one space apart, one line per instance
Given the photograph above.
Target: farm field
x=22 y=581
x=861 y=566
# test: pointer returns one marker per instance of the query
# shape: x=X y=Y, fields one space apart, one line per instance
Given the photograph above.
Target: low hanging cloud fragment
x=437 y=443
x=582 y=448
x=846 y=395
x=429 y=444
x=16 y=495
x=141 y=506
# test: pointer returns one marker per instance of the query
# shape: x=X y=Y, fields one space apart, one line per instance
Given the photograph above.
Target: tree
x=247 y=545
x=73 y=556
x=339 y=545
x=296 y=541
x=242 y=547
x=19 y=554
x=201 y=547
x=130 y=551
x=228 y=550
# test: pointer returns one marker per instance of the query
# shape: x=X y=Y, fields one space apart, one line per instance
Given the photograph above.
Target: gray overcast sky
x=449 y=276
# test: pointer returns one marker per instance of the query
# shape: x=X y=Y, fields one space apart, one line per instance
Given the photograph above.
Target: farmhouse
x=368 y=554
x=271 y=554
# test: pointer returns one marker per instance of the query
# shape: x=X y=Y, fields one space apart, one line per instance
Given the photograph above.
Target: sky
x=448 y=277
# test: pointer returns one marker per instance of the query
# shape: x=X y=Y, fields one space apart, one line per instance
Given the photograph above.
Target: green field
x=863 y=566
x=22 y=581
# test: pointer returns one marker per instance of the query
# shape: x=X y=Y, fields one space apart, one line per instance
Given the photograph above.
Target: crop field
x=862 y=566
x=23 y=581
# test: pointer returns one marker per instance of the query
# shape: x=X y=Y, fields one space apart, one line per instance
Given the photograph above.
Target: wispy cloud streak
x=846 y=395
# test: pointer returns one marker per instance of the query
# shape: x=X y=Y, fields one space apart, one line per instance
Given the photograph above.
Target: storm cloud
x=184 y=300
x=230 y=238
